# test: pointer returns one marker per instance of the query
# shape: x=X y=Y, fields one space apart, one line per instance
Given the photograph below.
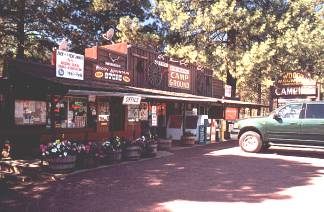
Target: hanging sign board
x=154 y=116
x=69 y=65
x=154 y=120
x=92 y=98
x=131 y=100
x=143 y=113
x=228 y=91
x=231 y=113
x=179 y=77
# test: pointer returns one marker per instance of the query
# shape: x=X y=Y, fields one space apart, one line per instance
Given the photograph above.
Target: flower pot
x=61 y=164
x=113 y=156
x=132 y=153
x=164 y=144
x=87 y=161
x=188 y=140
x=150 y=150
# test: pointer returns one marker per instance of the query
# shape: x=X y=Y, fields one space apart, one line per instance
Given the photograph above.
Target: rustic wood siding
x=218 y=88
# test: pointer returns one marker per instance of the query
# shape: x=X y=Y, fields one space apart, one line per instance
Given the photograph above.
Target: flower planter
x=61 y=164
x=132 y=153
x=150 y=150
x=164 y=144
x=87 y=161
x=188 y=140
x=113 y=156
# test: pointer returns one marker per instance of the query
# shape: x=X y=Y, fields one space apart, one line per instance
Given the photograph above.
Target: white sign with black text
x=228 y=91
x=154 y=116
x=69 y=65
x=131 y=100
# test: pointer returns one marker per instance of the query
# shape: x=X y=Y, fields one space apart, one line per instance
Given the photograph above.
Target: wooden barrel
x=188 y=140
x=164 y=144
x=61 y=164
x=114 y=156
x=150 y=150
x=132 y=153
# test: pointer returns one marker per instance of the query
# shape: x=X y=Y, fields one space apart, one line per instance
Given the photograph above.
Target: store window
x=30 y=112
x=70 y=112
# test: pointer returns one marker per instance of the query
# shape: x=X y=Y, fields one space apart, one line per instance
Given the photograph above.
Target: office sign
x=131 y=100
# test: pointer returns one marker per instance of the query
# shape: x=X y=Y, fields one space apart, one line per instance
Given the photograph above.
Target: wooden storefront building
x=40 y=102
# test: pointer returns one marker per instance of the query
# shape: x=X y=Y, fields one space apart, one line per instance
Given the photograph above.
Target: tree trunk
x=21 y=29
x=259 y=91
x=231 y=44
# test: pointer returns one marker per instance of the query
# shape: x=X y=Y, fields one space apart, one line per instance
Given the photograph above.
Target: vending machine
x=174 y=127
x=198 y=126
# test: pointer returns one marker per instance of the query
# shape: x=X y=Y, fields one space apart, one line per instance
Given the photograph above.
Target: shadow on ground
x=198 y=174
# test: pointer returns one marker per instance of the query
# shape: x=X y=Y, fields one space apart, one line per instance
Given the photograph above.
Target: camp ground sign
x=179 y=77
x=295 y=84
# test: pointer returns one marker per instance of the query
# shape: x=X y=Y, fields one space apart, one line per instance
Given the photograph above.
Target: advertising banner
x=69 y=65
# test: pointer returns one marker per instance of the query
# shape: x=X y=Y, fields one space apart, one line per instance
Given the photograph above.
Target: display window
x=70 y=112
x=30 y=112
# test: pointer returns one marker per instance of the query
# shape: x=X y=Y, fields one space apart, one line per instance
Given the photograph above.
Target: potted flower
x=188 y=138
x=111 y=150
x=88 y=154
x=132 y=148
x=165 y=144
x=60 y=154
x=149 y=148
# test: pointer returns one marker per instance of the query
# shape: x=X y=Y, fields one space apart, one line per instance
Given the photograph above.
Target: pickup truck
x=295 y=124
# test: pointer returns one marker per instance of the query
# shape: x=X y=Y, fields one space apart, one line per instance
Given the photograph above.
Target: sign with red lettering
x=231 y=113
x=69 y=65
x=179 y=77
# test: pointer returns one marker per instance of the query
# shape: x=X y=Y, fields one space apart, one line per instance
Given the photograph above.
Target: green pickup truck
x=295 y=124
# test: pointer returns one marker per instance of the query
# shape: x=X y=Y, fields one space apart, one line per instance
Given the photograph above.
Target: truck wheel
x=250 y=141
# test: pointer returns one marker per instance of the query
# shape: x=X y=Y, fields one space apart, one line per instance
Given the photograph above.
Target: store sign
x=143 y=113
x=92 y=98
x=161 y=63
x=154 y=116
x=131 y=100
x=179 y=77
x=295 y=79
x=231 y=113
x=69 y=65
x=113 y=74
x=295 y=84
x=228 y=91
x=295 y=91
x=133 y=113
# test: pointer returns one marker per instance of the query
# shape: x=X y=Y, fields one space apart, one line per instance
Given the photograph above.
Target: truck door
x=312 y=127
x=284 y=125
